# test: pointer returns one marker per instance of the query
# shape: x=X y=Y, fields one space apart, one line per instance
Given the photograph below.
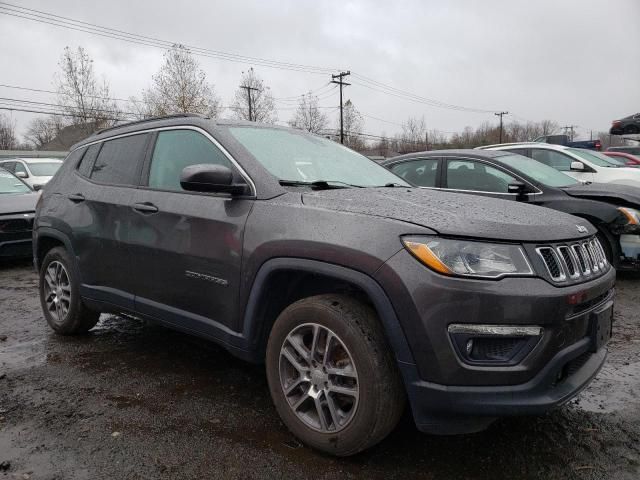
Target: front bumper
x=448 y=395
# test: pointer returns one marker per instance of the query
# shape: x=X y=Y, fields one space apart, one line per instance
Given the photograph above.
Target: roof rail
x=144 y=120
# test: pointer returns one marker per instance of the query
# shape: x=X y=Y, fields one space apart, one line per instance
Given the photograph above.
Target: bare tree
x=8 y=139
x=253 y=100
x=308 y=115
x=43 y=130
x=180 y=86
x=413 y=138
x=352 y=125
x=549 y=127
x=86 y=101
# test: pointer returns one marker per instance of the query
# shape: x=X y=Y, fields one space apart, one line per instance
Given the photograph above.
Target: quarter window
x=422 y=173
x=471 y=175
x=89 y=158
x=554 y=159
x=177 y=149
x=119 y=160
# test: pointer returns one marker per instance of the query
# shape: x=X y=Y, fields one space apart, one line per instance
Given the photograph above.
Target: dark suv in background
x=356 y=290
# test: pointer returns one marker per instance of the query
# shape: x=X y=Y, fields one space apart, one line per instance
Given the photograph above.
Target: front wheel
x=60 y=297
x=332 y=376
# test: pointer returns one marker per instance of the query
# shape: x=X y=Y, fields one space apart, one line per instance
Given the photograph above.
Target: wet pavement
x=133 y=400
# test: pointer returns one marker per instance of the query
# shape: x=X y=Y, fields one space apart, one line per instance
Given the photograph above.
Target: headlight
x=632 y=215
x=468 y=258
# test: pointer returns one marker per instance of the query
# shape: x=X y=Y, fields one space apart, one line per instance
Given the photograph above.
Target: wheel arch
x=47 y=238
x=281 y=281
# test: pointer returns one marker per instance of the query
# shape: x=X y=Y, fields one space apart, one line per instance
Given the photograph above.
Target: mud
x=133 y=400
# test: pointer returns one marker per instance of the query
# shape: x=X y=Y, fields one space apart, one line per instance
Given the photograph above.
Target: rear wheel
x=331 y=374
x=60 y=297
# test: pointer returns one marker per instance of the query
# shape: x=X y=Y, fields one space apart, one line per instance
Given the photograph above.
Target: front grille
x=579 y=260
x=15 y=225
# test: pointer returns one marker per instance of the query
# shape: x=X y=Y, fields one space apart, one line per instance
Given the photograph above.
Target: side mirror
x=517 y=188
x=37 y=188
x=21 y=174
x=577 y=166
x=210 y=178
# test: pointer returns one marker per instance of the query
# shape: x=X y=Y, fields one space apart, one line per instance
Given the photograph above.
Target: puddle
x=616 y=388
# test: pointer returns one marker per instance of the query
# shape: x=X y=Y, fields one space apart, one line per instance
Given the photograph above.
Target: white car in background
x=581 y=164
x=35 y=172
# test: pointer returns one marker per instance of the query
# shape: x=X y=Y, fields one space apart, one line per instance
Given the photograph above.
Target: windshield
x=538 y=171
x=11 y=184
x=593 y=157
x=300 y=157
x=44 y=169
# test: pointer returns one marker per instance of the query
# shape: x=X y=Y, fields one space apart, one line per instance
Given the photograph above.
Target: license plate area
x=601 y=323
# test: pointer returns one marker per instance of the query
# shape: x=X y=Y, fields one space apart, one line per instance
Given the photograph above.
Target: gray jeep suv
x=357 y=291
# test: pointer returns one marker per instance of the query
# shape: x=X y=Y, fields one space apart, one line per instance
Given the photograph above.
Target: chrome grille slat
x=573 y=261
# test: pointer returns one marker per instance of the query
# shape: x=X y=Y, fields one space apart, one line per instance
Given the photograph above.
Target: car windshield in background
x=44 y=169
x=595 y=158
x=301 y=157
x=538 y=171
x=11 y=184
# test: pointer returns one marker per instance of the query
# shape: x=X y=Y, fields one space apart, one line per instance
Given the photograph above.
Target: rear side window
x=86 y=164
x=422 y=172
x=119 y=160
x=476 y=176
x=177 y=149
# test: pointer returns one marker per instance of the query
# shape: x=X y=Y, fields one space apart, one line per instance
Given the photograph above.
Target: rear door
x=187 y=246
x=422 y=172
x=100 y=216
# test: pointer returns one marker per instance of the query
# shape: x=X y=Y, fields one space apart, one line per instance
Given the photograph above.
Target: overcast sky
x=573 y=61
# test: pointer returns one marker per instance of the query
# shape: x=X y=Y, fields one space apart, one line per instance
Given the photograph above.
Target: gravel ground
x=133 y=400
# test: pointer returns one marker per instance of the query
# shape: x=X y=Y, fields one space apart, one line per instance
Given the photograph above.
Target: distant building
x=68 y=136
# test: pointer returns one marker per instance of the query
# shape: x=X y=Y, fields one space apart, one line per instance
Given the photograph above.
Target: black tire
x=380 y=390
x=78 y=318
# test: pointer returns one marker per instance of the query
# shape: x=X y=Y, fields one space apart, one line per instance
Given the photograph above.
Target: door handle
x=76 y=197
x=145 y=207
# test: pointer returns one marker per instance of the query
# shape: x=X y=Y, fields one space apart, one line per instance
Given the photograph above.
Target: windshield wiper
x=318 y=184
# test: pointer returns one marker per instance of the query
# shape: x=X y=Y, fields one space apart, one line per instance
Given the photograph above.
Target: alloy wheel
x=319 y=378
x=57 y=290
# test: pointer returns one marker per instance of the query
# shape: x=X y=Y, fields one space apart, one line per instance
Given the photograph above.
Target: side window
x=9 y=166
x=471 y=175
x=20 y=168
x=556 y=160
x=177 y=149
x=86 y=164
x=422 y=173
x=119 y=159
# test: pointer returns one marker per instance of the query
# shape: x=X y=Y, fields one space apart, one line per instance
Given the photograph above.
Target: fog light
x=493 y=344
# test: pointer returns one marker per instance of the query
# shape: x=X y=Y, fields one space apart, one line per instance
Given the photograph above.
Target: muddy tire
x=332 y=375
x=60 y=296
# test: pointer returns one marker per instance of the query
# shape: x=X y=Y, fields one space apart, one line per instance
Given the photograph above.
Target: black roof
x=467 y=152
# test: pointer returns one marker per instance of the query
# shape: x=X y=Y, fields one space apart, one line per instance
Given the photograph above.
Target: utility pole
x=501 y=114
x=567 y=129
x=340 y=76
x=426 y=140
x=248 y=89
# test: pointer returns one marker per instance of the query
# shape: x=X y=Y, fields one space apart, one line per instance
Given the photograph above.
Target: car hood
x=606 y=192
x=18 y=202
x=455 y=214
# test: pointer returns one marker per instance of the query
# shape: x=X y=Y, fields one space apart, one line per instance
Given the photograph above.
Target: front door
x=187 y=246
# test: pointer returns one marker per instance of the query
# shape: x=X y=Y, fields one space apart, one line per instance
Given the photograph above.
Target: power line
x=396 y=92
x=94 y=29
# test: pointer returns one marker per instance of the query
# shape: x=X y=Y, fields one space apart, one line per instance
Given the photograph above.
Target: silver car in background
x=35 y=172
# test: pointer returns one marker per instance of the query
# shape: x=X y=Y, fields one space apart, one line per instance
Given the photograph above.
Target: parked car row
x=357 y=289
x=35 y=172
